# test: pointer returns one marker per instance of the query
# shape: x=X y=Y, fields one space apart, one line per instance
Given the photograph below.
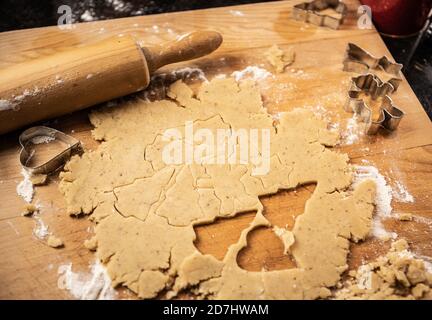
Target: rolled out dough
x=145 y=211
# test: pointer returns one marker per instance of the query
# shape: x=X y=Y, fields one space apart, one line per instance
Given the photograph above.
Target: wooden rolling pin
x=81 y=77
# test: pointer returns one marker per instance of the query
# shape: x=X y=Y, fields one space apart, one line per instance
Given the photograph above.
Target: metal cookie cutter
x=310 y=12
x=360 y=61
x=26 y=139
x=389 y=115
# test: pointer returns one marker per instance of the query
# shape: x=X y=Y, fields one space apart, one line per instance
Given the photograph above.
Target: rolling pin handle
x=188 y=47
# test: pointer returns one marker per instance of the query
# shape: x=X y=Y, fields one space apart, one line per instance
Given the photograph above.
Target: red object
x=399 y=17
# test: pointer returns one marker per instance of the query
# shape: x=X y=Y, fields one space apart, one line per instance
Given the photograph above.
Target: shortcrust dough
x=55 y=242
x=280 y=59
x=397 y=275
x=145 y=210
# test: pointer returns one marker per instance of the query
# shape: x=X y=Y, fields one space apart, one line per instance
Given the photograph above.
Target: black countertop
x=415 y=53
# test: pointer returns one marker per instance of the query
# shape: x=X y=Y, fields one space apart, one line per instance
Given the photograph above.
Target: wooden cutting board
x=28 y=267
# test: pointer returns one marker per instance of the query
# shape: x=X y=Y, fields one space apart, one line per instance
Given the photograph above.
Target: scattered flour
x=323 y=113
x=401 y=194
x=41 y=230
x=182 y=73
x=220 y=76
x=25 y=187
x=189 y=72
x=42 y=139
x=21 y=97
x=95 y=285
x=6 y=105
x=18 y=99
x=383 y=199
x=236 y=13
x=364 y=277
x=423 y=220
x=252 y=72
x=351 y=135
x=300 y=74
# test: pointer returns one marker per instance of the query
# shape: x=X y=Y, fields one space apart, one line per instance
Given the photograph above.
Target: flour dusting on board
x=41 y=230
x=17 y=99
x=190 y=72
x=383 y=199
x=401 y=194
x=25 y=187
x=352 y=132
x=182 y=73
x=236 y=13
x=252 y=72
x=6 y=105
x=95 y=285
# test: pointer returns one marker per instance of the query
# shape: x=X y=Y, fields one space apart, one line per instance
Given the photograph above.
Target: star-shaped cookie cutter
x=360 y=61
x=389 y=115
x=26 y=139
x=310 y=12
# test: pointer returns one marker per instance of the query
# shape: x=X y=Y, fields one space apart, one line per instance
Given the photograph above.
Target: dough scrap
x=29 y=209
x=55 y=242
x=280 y=59
x=405 y=217
x=38 y=179
x=286 y=236
x=396 y=275
x=145 y=210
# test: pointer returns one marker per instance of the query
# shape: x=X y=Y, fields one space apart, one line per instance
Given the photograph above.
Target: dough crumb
x=399 y=245
x=405 y=217
x=55 y=242
x=38 y=179
x=286 y=236
x=91 y=244
x=280 y=59
x=29 y=209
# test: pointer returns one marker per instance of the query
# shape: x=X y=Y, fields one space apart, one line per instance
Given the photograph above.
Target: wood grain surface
x=28 y=267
